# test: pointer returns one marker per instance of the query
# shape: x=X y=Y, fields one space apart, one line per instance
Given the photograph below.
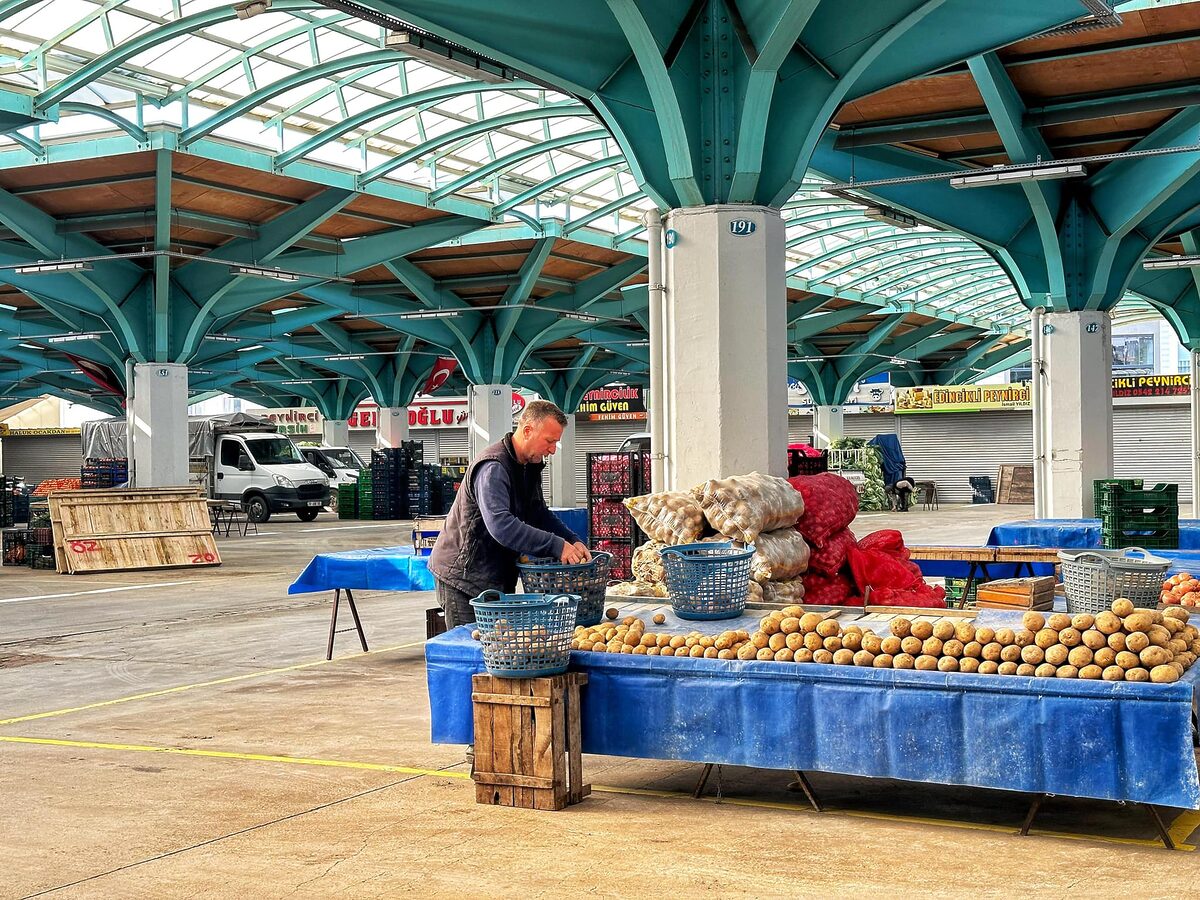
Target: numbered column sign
x=742 y=227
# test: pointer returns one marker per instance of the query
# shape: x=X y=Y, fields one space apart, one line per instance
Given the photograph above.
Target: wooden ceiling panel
x=196 y=198
x=980 y=141
x=589 y=252
x=241 y=178
x=392 y=209
x=344 y=227
x=1128 y=70
x=482 y=266
x=1108 y=125
x=110 y=167
x=920 y=97
x=498 y=248
x=95 y=199
x=1096 y=149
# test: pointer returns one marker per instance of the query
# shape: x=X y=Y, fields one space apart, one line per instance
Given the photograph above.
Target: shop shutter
x=867 y=425
x=362 y=442
x=948 y=449
x=1153 y=443
x=800 y=429
x=41 y=457
x=450 y=442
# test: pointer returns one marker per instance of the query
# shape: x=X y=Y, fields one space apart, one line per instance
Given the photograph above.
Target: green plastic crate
x=1099 y=484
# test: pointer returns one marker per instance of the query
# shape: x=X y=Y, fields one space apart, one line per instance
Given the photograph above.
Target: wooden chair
x=928 y=493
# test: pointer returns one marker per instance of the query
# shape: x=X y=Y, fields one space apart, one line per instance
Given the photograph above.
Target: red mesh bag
x=829 y=590
x=830 y=505
x=830 y=558
x=880 y=561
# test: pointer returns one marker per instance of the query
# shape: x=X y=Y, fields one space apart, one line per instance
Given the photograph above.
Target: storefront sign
x=294 y=419
x=612 y=404
x=938 y=398
x=1152 y=385
x=38 y=432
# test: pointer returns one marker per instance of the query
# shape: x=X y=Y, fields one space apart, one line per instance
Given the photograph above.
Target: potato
x=725 y=640
x=972 y=649
x=809 y=622
x=890 y=645
x=1177 y=647
x=1104 y=657
x=834 y=644
x=943 y=629
x=1091 y=673
x=1113 y=673
x=679 y=641
x=1026 y=669
x=991 y=652
x=1127 y=660
x=1159 y=636
x=922 y=630
x=1155 y=616
x=792 y=612
x=822 y=656
x=985 y=635
x=843 y=657
x=932 y=647
x=947 y=664
x=901 y=628
x=1045 y=670
x=769 y=624
x=911 y=645
x=1093 y=639
x=1007 y=668
x=1137 y=622
x=1057 y=655
x=1108 y=623
x=1079 y=657
x=964 y=632
x=630 y=621
x=1069 y=637
x=1058 y=621
x=925 y=663
x=649 y=640
x=1173 y=625
x=659 y=618
x=1137 y=674
x=1011 y=653
x=1164 y=675
x=813 y=641
x=1067 y=672
x=625 y=648
x=1122 y=607
x=789 y=625
x=1033 y=621
x=778 y=641
x=968 y=664
x=711 y=652
x=1116 y=641
x=903 y=661
x=952 y=648
x=1033 y=654
x=803 y=655
x=1047 y=637
x=1137 y=642
x=632 y=638
x=1083 y=621
x=1154 y=656
x=721 y=654
x=765 y=653
x=784 y=655
x=758 y=639
x=872 y=643
x=747 y=651
x=864 y=658
x=670 y=651
x=852 y=640
x=795 y=641
x=1178 y=613
x=611 y=612
x=883 y=661
x=988 y=667
x=828 y=628
x=1023 y=638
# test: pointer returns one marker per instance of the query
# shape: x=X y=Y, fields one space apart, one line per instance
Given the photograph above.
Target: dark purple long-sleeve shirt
x=544 y=536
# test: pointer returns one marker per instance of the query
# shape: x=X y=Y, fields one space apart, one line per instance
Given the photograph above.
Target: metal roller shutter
x=363 y=442
x=800 y=429
x=867 y=425
x=450 y=442
x=41 y=457
x=948 y=449
x=1153 y=443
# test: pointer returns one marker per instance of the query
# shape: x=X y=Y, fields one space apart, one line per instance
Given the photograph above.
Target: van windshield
x=344 y=458
x=274 y=451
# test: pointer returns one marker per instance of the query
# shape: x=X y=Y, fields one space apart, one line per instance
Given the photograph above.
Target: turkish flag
x=98 y=373
x=442 y=370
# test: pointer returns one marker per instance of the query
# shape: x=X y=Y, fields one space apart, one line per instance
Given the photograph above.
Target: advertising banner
x=613 y=404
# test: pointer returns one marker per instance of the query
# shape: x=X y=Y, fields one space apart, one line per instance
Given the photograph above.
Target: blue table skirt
x=575 y=518
x=1104 y=740
x=377 y=569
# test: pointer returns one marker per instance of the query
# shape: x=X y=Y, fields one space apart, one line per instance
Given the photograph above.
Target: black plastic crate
x=800 y=463
x=613 y=474
x=622 y=557
x=609 y=519
x=14 y=544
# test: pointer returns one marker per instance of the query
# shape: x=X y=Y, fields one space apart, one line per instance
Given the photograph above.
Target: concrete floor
x=179 y=733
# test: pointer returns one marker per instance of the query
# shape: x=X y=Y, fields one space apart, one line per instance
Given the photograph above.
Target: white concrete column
x=726 y=343
x=1195 y=377
x=392 y=429
x=336 y=432
x=1077 y=347
x=562 y=468
x=828 y=425
x=160 y=427
x=489 y=415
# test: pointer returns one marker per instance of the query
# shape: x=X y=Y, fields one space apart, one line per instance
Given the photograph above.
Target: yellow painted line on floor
x=1183 y=826
x=607 y=789
x=200 y=684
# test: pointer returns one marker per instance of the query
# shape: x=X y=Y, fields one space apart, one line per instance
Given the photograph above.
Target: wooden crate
x=1015 y=485
x=126 y=529
x=527 y=741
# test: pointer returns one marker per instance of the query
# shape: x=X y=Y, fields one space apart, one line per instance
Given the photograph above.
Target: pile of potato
x=527 y=641
x=1121 y=644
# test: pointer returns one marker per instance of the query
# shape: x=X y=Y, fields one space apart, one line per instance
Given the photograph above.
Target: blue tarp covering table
x=1073 y=533
x=1097 y=739
x=376 y=569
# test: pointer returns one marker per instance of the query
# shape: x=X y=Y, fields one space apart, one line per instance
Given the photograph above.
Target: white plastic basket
x=1093 y=579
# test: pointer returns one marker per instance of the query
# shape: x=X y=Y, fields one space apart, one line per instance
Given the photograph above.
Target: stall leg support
x=337 y=599
x=703 y=782
x=1033 y=811
x=802 y=784
x=1163 y=834
x=362 y=638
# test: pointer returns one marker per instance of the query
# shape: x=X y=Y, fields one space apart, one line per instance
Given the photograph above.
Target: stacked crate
x=7 y=502
x=421 y=485
x=103 y=473
x=347 y=500
x=20 y=507
x=39 y=548
x=13 y=544
x=397 y=482
x=1130 y=517
x=366 y=500
x=611 y=478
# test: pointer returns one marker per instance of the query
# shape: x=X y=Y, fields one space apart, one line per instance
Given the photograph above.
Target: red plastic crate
x=611 y=475
x=622 y=557
x=610 y=519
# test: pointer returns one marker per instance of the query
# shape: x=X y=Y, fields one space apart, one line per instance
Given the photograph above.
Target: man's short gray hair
x=538 y=410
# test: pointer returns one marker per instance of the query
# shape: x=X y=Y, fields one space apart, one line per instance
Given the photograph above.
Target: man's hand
x=573 y=554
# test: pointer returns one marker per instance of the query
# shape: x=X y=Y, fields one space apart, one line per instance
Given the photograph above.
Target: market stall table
x=1115 y=741
x=982 y=563
x=1074 y=533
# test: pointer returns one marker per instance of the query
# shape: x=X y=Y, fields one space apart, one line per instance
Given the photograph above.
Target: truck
x=237 y=457
x=341 y=465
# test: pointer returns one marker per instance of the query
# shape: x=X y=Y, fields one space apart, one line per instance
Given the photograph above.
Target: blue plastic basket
x=589 y=580
x=525 y=635
x=707 y=581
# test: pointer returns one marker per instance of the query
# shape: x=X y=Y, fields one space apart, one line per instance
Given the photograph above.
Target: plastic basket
x=525 y=635
x=588 y=581
x=707 y=581
x=1095 y=578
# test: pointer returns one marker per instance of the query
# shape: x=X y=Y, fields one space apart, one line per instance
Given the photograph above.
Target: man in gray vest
x=500 y=515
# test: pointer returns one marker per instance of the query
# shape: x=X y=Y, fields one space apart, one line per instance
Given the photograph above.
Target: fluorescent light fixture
x=223 y=338
x=8 y=307
x=251 y=347
x=579 y=316
x=1171 y=262
x=344 y=357
x=298 y=381
x=30 y=346
x=44 y=268
x=260 y=272
x=1018 y=174
x=429 y=314
x=286 y=309
x=71 y=338
x=890 y=216
x=440 y=55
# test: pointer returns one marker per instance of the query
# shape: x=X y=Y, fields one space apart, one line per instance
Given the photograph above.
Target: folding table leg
x=802 y=784
x=1033 y=811
x=699 y=791
x=337 y=598
x=362 y=638
x=1163 y=834
x=972 y=573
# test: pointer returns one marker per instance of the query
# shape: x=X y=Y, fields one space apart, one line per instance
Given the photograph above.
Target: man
x=500 y=515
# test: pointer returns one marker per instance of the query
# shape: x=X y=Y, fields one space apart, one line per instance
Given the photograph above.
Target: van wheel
x=306 y=515
x=256 y=507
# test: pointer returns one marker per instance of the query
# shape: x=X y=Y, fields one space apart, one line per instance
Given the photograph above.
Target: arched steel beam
x=561 y=178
